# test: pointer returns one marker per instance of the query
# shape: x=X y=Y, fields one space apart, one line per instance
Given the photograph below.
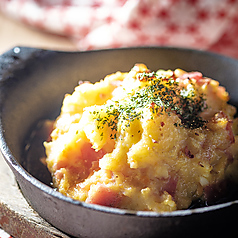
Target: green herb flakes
x=161 y=95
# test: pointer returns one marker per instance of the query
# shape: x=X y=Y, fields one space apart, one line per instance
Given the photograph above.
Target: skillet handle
x=12 y=60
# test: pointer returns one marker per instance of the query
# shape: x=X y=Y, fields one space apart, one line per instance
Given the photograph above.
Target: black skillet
x=32 y=86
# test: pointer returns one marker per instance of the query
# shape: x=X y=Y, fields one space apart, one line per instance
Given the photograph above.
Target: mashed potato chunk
x=144 y=140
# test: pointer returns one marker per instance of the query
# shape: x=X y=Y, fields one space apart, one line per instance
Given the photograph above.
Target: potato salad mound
x=145 y=140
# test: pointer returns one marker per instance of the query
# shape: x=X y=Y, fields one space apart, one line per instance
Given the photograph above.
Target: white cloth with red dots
x=96 y=24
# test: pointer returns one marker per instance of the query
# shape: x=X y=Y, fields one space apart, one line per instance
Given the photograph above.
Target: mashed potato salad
x=144 y=140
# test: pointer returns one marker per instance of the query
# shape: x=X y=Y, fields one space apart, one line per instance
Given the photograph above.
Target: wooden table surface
x=16 y=216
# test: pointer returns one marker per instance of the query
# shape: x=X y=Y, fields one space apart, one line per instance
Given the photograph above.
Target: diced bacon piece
x=89 y=154
x=102 y=195
x=171 y=185
x=188 y=152
x=192 y=75
x=231 y=136
x=81 y=165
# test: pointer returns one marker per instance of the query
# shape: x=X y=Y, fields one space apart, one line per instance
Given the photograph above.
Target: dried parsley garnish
x=161 y=95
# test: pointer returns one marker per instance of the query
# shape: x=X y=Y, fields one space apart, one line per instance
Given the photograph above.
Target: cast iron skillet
x=32 y=86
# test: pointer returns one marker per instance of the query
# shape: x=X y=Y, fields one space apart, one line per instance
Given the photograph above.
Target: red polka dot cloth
x=95 y=24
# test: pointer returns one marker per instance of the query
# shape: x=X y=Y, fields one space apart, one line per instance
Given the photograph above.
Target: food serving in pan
x=145 y=140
